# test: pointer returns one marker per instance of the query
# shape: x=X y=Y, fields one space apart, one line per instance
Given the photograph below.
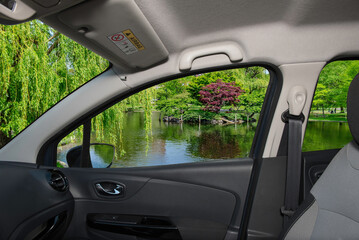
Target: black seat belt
x=294 y=160
x=294 y=119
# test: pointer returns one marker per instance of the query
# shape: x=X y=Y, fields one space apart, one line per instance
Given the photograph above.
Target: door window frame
x=47 y=155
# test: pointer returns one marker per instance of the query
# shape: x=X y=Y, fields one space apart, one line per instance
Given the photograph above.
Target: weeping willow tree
x=39 y=67
x=108 y=126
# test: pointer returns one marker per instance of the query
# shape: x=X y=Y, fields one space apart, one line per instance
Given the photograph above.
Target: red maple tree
x=215 y=95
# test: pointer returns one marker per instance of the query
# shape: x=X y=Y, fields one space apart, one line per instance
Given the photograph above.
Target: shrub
x=218 y=94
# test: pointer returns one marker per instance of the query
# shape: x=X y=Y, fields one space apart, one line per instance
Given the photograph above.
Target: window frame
x=47 y=155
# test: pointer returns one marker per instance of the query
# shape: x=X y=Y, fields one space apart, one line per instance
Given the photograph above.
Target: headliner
x=272 y=31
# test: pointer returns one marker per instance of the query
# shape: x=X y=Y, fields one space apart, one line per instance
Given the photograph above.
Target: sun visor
x=120 y=28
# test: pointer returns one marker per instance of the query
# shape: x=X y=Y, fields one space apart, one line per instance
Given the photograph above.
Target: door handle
x=109 y=189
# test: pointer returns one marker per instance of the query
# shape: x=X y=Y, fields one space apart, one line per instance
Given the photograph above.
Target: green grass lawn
x=335 y=117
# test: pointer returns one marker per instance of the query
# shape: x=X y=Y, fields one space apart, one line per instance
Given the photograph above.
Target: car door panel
x=191 y=208
x=266 y=221
x=201 y=200
x=30 y=207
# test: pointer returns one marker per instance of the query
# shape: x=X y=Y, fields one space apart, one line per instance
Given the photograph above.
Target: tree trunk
x=229 y=121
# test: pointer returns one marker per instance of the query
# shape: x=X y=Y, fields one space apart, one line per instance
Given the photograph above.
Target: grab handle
x=231 y=49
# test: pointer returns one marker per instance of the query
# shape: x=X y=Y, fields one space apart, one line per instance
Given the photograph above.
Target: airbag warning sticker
x=126 y=41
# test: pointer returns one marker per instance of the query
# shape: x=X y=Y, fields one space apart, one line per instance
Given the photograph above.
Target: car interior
x=277 y=192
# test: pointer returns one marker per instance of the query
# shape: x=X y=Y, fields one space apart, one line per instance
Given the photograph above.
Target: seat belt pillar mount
x=296 y=99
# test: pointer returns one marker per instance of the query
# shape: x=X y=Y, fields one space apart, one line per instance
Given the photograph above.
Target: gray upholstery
x=335 y=211
x=304 y=226
x=334 y=214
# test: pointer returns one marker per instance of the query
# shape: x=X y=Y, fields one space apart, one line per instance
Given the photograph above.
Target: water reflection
x=180 y=143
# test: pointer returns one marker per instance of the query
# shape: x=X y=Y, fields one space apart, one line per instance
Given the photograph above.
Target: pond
x=173 y=143
x=326 y=135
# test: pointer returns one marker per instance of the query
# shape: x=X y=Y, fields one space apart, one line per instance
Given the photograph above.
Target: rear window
x=38 y=68
x=327 y=126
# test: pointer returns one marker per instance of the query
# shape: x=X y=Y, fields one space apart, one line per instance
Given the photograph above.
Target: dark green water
x=173 y=143
x=326 y=135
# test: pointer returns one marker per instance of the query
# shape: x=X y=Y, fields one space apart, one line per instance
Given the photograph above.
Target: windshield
x=38 y=67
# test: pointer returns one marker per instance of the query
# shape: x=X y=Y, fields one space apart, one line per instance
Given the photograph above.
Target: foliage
x=38 y=67
x=175 y=105
x=215 y=95
x=252 y=103
x=194 y=116
x=173 y=98
x=333 y=84
x=195 y=83
x=254 y=82
x=171 y=88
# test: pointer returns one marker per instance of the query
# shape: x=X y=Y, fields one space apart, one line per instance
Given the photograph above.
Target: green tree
x=38 y=67
x=254 y=81
x=320 y=96
x=173 y=98
x=333 y=84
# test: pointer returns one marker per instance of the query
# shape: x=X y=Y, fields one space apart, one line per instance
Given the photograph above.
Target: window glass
x=327 y=126
x=38 y=68
x=191 y=119
x=69 y=142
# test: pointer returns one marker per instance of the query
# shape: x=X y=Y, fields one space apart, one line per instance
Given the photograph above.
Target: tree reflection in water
x=214 y=144
x=173 y=143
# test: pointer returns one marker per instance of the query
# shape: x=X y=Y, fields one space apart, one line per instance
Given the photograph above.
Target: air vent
x=58 y=180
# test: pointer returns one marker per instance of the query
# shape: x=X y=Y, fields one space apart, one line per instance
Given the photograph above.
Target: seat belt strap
x=293 y=167
x=294 y=118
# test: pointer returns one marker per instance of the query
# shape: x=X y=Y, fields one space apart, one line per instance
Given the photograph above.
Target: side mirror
x=101 y=155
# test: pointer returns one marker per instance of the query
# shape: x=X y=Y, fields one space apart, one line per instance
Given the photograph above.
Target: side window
x=327 y=126
x=192 y=119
